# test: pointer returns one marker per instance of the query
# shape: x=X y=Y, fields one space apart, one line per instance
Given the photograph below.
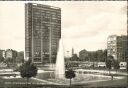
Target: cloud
x=85 y=25
x=92 y=33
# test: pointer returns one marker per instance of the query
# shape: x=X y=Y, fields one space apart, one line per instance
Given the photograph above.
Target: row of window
x=46 y=13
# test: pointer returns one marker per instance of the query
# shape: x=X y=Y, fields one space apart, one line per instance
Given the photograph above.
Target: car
x=123 y=65
x=102 y=64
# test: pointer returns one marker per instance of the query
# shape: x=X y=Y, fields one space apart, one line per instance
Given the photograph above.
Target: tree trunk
x=70 y=82
x=116 y=71
x=27 y=81
x=109 y=72
x=112 y=76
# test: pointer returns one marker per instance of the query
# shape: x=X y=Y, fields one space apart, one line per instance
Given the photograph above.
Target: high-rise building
x=42 y=32
x=117 y=47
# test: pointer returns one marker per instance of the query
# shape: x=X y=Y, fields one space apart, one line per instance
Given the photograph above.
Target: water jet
x=60 y=63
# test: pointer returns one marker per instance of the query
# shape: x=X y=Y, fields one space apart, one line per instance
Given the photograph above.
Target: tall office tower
x=117 y=47
x=42 y=32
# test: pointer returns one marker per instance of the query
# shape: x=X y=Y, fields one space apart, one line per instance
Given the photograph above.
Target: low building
x=10 y=57
x=83 y=55
x=9 y=53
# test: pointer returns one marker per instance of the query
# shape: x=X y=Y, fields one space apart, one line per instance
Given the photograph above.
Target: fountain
x=58 y=76
x=60 y=65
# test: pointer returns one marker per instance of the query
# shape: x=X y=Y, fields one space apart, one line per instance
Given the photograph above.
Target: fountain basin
x=80 y=78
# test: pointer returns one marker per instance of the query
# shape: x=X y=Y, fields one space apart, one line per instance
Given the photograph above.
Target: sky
x=85 y=24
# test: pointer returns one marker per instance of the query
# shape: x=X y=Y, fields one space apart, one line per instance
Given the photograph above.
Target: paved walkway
x=46 y=82
x=111 y=83
x=102 y=71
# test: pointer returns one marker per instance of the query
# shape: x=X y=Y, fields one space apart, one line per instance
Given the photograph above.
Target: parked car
x=123 y=65
x=102 y=64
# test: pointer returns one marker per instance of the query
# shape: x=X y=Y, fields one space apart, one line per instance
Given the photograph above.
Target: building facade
x=10 y=55
x=83 y=55
x=42 y=32
x=117 y=47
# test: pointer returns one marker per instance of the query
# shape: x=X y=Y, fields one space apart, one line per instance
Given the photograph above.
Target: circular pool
x=80 y=77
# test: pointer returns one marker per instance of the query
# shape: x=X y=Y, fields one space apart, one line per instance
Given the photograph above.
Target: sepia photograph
x=63 y=44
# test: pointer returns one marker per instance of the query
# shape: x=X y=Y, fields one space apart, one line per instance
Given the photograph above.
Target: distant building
x=83 y=55
x=94 y=56
x=11 y=58
x=42 y=32
x=117 y=47
x=10 y=55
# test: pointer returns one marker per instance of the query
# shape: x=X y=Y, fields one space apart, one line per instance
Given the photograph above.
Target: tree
x=99 y=55
x=20 y=57
x=105 y=55
x=28 y=70
x=116 y=65
x=74 y=57
x=109 y=65
x=109 y=62
x=69 y=74
x=1 y=59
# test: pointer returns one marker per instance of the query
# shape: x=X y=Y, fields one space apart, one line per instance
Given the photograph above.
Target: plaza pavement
x=101 y=83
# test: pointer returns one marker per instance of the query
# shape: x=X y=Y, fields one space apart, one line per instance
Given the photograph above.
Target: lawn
x=110 y=83
x=83 y=81
x=18 y=82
